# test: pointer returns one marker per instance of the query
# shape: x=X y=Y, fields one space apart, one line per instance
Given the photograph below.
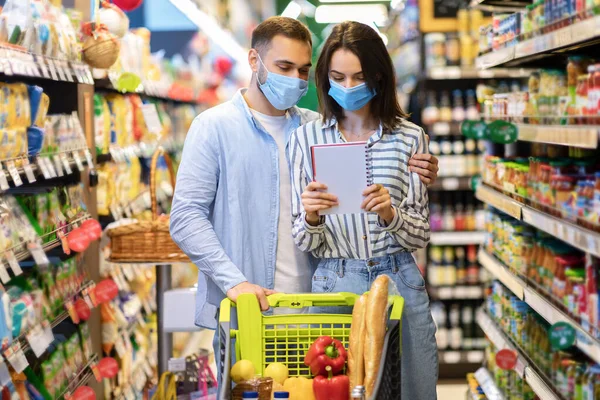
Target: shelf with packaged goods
x=461 y=356
x=451 y=183
x=581 y=136
x=488 y=385
x=15 y=61
x=523 y=368
x=147 y=88
x=574 y=36
x=544 y=307
x=581 y=238
x=43 y=167
x=456 y=238
x=81 y=378
x=500 y=5
x=455 y=73
x=26 y=338
x=458 y=292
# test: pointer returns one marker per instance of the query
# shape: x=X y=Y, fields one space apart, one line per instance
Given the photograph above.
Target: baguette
x=376 y=322
x=356 y=362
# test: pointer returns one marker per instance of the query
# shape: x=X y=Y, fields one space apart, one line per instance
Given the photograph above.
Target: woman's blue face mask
x=282 y=91
x=351 y=99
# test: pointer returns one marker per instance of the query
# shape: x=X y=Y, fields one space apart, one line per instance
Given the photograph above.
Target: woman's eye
x=337 y=79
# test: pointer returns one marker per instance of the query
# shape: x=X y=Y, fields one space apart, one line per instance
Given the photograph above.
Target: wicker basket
x=147 y=241
x=101 y=51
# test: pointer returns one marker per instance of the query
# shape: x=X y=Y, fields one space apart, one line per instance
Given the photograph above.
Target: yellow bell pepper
x=300 y=388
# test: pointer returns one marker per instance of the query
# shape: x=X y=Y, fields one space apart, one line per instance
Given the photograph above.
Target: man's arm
x=197 y=181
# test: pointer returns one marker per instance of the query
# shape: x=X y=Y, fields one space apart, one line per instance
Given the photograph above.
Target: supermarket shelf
x=585 y=342
x=451 y=184
x=575 y=36
x=20 y=63
x=585 y=137
x=501 y=272
x=81 y=378
x=583 y=239
x=488 y=385
x=499 y=339
x=451 y=73
x=460 y=292
x=523 y=369
x=499 y=5
x=461 y=356
x=456 y=238
x=147 y=88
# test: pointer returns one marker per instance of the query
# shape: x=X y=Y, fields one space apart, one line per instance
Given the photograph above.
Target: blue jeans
x=419 y=349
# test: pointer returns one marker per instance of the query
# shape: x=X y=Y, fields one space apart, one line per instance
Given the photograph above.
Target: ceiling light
x=293 y=10
x=365 y=13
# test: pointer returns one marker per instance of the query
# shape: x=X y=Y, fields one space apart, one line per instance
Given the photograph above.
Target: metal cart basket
x=264 y=339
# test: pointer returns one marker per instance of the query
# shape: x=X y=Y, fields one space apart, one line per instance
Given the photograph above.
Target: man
x=231 y=210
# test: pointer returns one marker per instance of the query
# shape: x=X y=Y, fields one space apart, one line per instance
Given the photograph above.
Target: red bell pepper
x=331 y=387
x=325 y=352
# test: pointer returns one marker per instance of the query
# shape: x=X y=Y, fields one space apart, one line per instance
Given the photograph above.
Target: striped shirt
x=363 y=236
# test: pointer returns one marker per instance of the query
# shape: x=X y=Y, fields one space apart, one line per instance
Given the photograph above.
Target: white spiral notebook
x=345 y=169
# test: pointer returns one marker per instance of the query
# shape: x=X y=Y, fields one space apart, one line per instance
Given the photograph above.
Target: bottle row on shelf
x=456 y=326
x=459 y=212
x=454 y=266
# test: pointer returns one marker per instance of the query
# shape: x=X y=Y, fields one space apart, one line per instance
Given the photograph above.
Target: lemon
x=242 y=370
x=278 y=371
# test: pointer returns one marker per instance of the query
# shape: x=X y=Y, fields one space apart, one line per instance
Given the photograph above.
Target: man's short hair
x=264 y=33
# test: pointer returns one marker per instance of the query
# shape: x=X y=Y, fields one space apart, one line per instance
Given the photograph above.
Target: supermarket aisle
x=451 y=390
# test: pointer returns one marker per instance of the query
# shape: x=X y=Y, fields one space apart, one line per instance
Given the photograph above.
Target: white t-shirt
x=292 y=268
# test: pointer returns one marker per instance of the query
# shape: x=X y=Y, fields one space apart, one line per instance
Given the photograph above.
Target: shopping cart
x=264 y=339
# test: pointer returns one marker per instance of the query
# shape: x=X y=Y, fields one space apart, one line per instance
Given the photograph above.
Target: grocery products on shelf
x=567 y=371
x=450 y=266
x=456 y=211
x=541 y=17
x=456 y=325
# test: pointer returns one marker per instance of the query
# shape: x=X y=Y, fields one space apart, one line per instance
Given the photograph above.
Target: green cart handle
x=308 y=300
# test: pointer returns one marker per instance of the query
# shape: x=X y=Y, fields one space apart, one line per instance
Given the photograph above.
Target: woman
x=357 y=94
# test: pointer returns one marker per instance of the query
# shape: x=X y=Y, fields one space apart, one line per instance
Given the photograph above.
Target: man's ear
x=253 y=60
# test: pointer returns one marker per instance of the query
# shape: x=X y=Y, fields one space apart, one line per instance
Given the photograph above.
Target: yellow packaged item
x=21 y=104
x=13 y=143
x=42 y=110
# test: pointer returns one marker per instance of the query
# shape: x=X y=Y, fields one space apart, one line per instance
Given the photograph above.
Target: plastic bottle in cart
x=358 y=393
x=281 y=395
x=250 y=395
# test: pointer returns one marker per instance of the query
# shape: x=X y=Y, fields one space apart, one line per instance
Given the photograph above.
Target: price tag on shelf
x=115 y=213
x=37 y=341
x=44 y=168
x=29 y=171
x=61 y=71
x=13 y=262
x=475 y=356
x=16 y=358
x=4 y=276
x=68 y=72
x=38 y=254
x=14 y=173
x=66 y=164
x=151 y=118
x=41 y=61
x=88 y=158
x=176 y=365
x=49 y=166
x=48 y=334
x=52 y=68
x=57 y=165
x=128 y=272
x=3 y=181
x=96 y=372
x=78 y=161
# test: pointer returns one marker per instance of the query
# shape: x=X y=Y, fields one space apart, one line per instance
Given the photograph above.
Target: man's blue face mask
x=351 y=99
x=282 y=91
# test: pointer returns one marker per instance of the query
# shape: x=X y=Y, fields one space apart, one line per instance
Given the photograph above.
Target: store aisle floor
x=451 y=390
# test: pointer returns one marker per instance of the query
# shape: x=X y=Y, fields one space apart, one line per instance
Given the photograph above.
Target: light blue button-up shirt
x=226 y=204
